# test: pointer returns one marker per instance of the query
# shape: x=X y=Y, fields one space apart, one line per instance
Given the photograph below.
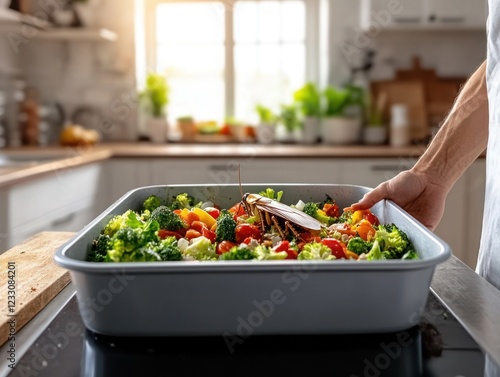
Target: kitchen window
x=221 y=58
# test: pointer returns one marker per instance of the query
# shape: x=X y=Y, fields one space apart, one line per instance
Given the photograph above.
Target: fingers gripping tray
x=242 y=298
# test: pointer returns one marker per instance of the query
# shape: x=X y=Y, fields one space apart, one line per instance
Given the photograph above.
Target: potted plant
x=265 y=131
x=290 y=125
x=155 y=95
x=308 y=99
x=375 y=130
x=338 y=127
x=187 y=127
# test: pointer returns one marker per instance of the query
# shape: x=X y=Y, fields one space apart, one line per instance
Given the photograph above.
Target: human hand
x=412 y=191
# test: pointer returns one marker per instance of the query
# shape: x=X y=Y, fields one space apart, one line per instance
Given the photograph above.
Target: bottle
x=400 y=127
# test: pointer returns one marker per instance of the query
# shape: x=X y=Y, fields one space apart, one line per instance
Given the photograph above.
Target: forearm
x=462 y=137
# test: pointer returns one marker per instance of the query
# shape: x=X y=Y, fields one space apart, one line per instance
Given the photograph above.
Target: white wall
x=449 y=53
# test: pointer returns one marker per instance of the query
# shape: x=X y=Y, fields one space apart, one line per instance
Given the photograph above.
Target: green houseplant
x=375 y=130
x=265 y=131
x=156 y=97
x=308 y=98
x=338 y=126
x=290 y=122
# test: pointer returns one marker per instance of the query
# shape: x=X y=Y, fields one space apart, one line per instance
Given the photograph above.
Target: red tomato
x=237 y=210
x=308 y=237
x=281 y=246
x=371 y=218
x=191 y=233
x=224 y=247
x=335 y=246
x=162 y=233
x=331 y=210
x=247 y=230
x=247 y=240
x=214 y=212
x=292 y=254
x=205 y=232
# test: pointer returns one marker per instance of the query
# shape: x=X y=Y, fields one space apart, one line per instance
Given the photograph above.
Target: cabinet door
x=127 y=174
x=457 y=12
x=378 y=14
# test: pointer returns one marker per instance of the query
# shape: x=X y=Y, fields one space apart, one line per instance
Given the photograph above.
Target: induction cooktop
x=438 y=347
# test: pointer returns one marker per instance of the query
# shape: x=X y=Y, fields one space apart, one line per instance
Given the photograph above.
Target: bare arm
x=462 y=138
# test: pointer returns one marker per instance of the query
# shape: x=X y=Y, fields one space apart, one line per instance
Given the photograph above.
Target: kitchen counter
x=55 y=158
x=468 y=297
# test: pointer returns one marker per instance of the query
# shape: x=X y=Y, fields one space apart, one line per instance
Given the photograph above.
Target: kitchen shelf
x=9 y=17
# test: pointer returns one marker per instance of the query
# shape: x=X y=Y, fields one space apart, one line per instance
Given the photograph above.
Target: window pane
x=245 y=21
x=269 y=21
x=293 y=21
x=190 y=51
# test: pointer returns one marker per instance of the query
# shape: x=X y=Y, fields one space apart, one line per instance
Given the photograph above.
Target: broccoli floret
x=359 y=245
x=394 y=243
x=184 y=200
x=312 y=210
x=265 y=253
x=201 y=249
x=410 y=255
x=375 y=252
x=128 y=246
x=315 y=250
x=346 y=217
x=145 y=215
x=151 y=203
x=271 y=194
x=226 y=227
x=129 y=219
x=238 y=253
x=167 y=219
x=168 y=250
x=99 y=250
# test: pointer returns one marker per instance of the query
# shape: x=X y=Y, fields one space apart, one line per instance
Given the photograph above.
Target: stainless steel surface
x=473 y=301
x=34 y=328
x=279 y=297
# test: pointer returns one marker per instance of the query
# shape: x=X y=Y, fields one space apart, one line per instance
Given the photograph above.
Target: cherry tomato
x=331 y=210
x=282 y=246
x=371 y=218
x=224 y=247
x=247 y=230
x=177 y=211
x=191 y=233
x=335 y=246
x=205 y=232
x=214 y=212
x=237 y=210
x=162 y=233
x=198 y=225
x=247 y=240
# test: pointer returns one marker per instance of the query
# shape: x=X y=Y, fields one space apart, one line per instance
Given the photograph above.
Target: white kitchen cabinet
x=65 y=200
x=423 y=14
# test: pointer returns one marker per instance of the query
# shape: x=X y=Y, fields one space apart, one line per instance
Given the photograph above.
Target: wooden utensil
x=37 y=279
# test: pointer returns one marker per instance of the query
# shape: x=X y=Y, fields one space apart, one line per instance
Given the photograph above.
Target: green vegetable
x=167 y=249
x=410 y=255
x=266 y=253
x=151 y=203
x=315 y=250
x=359 y=245
x=375 y=252
x=99 y=250
x=184 y=200
x=271 y=194
x=312 y=210
x=309 y=99
x=128 y=244
x=238 y=253
x=393 y=242
x=346 y=217
x=167 y=219
x=129 y=219
x=201 y=249
x=226 y=227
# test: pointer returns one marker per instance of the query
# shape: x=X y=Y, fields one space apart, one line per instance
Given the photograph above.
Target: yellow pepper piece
x=184 y=213
x=357 y=216
x=204 y=217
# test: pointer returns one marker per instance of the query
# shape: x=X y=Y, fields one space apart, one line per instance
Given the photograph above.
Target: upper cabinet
x=424 y=14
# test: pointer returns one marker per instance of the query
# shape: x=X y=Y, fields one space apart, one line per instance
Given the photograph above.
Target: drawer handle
x=218 y=168
x=407 y=20
x=454 y=20
x=397 y=168
x=64 y=220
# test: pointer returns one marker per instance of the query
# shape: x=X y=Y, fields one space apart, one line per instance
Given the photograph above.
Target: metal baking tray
x=243 y=298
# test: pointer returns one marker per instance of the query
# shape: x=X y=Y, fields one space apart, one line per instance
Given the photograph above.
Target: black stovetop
x=439 y=347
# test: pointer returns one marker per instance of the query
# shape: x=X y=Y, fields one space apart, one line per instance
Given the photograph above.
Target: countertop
x=473 y=301
x=49 y=159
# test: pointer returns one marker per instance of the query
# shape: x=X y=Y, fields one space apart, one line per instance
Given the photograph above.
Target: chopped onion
x=206 y=205
x=183 y=244
x=300 y=205
x=275 y=240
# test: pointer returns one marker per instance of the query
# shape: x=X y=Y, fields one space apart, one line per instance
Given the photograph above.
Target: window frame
x=312 y=41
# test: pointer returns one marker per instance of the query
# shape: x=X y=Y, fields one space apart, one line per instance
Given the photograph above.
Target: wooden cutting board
x=410 y=93
x=37 y=278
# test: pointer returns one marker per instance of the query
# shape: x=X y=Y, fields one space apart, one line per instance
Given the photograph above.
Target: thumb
x=371 y=198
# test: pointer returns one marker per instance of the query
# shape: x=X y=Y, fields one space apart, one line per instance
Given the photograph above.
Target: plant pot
x=188 y=130
x=239 y=132
x=375 y=134
x=311 y=130
x=341 y=130
x=288 y=136
x=157 y=129
x=265 y=133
